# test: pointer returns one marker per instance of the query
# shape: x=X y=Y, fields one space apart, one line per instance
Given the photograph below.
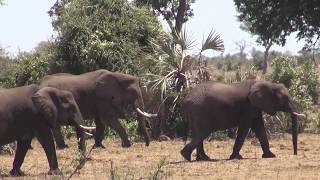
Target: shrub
x=300 y=79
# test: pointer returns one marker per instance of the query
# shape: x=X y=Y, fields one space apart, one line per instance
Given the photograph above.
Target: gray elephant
x=214 y=106
x=103 y=96
x=29 y=111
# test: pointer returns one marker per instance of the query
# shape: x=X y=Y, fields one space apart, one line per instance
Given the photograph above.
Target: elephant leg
x=81 y=140
x=100 y=128
x=115 y=125
x=187 y=150
x=46 y=140
x=60 y=144
x=260 y=131
x=201 y=155
x=241 y=136
x=21 y=151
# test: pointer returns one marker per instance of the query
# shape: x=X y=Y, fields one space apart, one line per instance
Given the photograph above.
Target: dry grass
x=140 y=162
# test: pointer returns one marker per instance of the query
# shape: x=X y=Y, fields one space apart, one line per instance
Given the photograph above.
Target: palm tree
x=173 y=79
x=173 y=52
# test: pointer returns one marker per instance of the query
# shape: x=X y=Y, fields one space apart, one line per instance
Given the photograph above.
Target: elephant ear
x=261 y=95
x=109 y=88
x=46 y=107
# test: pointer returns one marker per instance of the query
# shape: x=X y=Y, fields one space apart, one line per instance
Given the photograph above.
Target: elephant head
x=272 y=97
x=58 y=107
x=120 y=92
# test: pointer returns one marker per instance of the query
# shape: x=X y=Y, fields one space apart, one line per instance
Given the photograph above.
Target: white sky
x=25 y=23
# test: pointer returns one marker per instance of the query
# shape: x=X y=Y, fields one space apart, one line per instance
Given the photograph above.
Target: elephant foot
x=55 y=172
x=17 y=172
x=126 y=144
x=268 y=155
x=235 y=156
x=98 y=145
x=62 y=146
x=202 y=157
x=186 y=154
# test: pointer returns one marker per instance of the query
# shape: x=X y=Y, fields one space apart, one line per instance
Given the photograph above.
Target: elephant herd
x=39 y=110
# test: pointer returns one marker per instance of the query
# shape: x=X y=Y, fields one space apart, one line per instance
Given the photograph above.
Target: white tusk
x=87 y=128
x=298 y=114
x=146 y=114
x=89 y=134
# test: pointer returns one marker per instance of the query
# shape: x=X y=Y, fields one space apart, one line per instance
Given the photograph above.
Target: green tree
x=7 y=65
x=272 y=21
x=175 y=12
x=113 y=35
x=265 y=19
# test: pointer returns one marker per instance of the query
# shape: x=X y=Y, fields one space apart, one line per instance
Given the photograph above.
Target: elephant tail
x=185 y=126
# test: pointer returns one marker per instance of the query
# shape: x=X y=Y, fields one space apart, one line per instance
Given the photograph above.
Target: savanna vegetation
x=128 y=37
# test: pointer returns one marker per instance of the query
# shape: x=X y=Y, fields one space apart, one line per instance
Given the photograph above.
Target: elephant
x=213 y=106
x=31 y=111
x=105 y=97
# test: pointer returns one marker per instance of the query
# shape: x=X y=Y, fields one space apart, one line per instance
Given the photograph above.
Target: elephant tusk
x=145 y=113
x=87 y=128
x=298 y=114
x=89 y=134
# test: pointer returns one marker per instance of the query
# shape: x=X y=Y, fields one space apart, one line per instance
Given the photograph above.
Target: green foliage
x=131 y=127
x=107 y=34
x=272 y=21
x=173 y=55
x=8 y=148
x=300 y=79
x=7 y=66
x=67 y=132
x=29 y=67
x=175 y=12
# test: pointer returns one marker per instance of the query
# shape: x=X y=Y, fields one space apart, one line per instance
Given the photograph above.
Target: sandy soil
x=140 y=162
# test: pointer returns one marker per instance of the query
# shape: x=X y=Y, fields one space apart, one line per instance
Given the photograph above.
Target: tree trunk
x=265 y=60
x=180 y=15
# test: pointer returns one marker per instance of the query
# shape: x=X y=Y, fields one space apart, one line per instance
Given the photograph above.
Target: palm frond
x=213 y=42
x=161 y=82
x=183 y=39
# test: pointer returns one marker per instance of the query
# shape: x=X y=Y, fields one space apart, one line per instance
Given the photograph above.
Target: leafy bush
x=8 y=148
x=113 y=35
x=300 y=79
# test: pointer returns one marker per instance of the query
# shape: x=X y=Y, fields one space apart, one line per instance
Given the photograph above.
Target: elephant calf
x=29 y=111
x=213 y=106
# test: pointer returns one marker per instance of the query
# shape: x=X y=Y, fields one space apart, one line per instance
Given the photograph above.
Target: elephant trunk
x=78 y=119
x=294 y=134
x=141 y=120
x=294 y=117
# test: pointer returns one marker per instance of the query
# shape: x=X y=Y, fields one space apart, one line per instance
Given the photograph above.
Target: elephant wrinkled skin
x=103 y=96
x=213 y=106
x=28 y=111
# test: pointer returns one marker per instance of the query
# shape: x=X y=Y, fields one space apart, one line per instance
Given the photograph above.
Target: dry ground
x=140 y=162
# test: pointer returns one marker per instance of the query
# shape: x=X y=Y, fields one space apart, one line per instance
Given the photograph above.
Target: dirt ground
x=140 y=162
